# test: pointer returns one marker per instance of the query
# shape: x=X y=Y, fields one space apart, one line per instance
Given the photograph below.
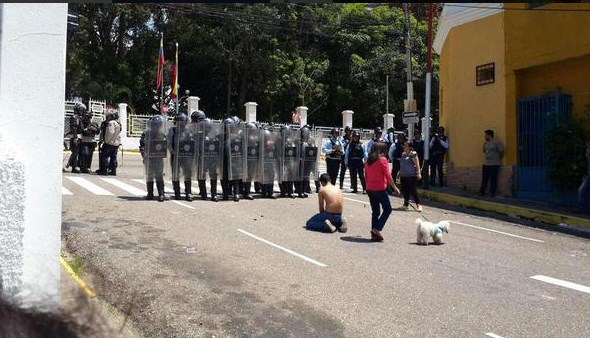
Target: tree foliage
x=329 y=57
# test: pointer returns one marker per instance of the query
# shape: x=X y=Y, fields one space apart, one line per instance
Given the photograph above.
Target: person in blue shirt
x=355 y=157
x=377 y=138
x=334 y=151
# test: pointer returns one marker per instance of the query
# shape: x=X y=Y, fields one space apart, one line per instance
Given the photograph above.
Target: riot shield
x=252 y=139
x=270 y=150
x=210 y=151
x=310 y=156
x=290 y=155
x=183 y=140
x=154 y=148
x=235 y=151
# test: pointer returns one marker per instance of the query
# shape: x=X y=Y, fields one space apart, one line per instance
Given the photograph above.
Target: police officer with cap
x=334 y=151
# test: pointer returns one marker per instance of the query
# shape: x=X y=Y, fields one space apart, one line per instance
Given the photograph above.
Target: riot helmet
x=355 y=133
x=80 y=108
x=228 y=121
x=251 y=125
x=181 y=118
x=157 y=121
x=236 y=119
x=347 y=129
x=378 y=130
x=198 y=116
x=305 y=132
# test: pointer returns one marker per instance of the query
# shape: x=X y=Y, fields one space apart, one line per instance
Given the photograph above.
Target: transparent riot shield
x=154 y=149
x=270 y=151
x=210 y=150
x=252 y=139
x=310 y=156
x=183 y=150
x=235 y=151
x=290 y=155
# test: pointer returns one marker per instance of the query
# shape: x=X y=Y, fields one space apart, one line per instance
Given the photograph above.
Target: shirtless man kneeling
x=331 y=204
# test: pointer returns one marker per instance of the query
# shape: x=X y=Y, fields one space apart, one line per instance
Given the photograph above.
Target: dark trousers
x=489 y=173
x=75 y=148
x=409 y=187
x=343 y=168
x=357 y=168
x=332 y=166
x=436 y=165
x=85 y=156
x=379 y=199
x=395 y=166
x=108 y=158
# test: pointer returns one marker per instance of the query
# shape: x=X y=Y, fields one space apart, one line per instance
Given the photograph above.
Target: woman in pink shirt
x=378 y=177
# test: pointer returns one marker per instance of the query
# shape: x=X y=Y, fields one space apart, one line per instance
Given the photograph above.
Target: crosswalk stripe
x=65 y=191
x=122 y=185
x=93 y=188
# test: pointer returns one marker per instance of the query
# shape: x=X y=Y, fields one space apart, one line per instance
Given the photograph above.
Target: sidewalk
x=513 y=207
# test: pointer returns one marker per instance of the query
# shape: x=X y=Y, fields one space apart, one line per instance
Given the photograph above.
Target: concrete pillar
x=30 y=215
x=347 y=118
x=250 y=111
x=303 y=113
x=193 y=104
x=387 y=121
x=123 y=118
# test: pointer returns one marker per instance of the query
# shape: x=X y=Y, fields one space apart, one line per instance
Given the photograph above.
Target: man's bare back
x=331 y=199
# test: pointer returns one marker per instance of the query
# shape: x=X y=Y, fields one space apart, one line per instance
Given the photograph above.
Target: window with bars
x=485 y=74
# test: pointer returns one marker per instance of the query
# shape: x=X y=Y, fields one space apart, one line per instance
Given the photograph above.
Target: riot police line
x=237 y=154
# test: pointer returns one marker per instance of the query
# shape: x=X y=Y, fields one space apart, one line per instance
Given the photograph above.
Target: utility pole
x=409 y=84
x=426 y=121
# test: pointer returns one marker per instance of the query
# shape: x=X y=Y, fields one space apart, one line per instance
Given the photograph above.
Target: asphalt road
x=244 y=269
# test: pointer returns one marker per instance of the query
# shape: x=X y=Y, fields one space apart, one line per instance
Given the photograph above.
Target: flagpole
x=162 y=84
x=176 y=79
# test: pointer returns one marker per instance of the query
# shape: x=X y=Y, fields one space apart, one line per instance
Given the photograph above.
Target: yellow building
x=494 y=56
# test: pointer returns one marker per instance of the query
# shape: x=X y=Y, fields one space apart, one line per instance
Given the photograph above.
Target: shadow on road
x=357 y=239
x=134 y=198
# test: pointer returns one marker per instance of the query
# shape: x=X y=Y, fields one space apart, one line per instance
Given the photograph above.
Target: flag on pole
x=160 y=64
x=175 y=77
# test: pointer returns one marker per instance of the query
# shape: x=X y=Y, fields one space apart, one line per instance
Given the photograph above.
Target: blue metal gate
x=537 y=115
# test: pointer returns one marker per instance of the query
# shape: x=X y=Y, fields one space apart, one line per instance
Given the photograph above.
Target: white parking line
x=498 y=232
x=184 y=205
x=65 y=191
x=93 y=188
x=351 y=199
x=284 y=249
x=563 y=283
x=493 y=335
x=122 y=185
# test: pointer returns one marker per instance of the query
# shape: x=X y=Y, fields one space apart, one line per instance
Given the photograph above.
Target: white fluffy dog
x=429 y=229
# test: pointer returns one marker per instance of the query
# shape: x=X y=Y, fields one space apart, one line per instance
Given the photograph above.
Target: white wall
x=32 y=86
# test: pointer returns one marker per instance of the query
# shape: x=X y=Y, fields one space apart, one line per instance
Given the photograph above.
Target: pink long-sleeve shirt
x=377 y=174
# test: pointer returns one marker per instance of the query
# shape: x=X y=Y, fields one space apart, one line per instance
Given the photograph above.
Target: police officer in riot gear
x=355 y=156
x=376 y=138
x=289 y=161
x=252 y=158
x=232 y=161
x=309 y=162
x=89 y=130
x=210 y=140
x=270 y=149
x=75 y=136
x=153 y=146
x=182 y=147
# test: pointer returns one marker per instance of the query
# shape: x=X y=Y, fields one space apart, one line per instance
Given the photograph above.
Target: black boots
x=176 y=187
x=247 y=187
x=188 y=191
x=203 y=190
x=213 y=190
x=161 y=196
x=150 y=190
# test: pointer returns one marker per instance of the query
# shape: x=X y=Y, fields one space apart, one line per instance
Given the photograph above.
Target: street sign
x=411 y=117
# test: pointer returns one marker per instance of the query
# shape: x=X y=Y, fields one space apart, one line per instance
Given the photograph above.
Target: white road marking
x=563 y=283
x=124 y=186
x=499 y=232
x=65 y=191
x=284 y=249
x=184 y=205
x=493 y=335
x=351 y=199
x=93 y=188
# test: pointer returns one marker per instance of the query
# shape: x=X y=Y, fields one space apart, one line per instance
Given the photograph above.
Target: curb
x=510 y=210
x=87 y=290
